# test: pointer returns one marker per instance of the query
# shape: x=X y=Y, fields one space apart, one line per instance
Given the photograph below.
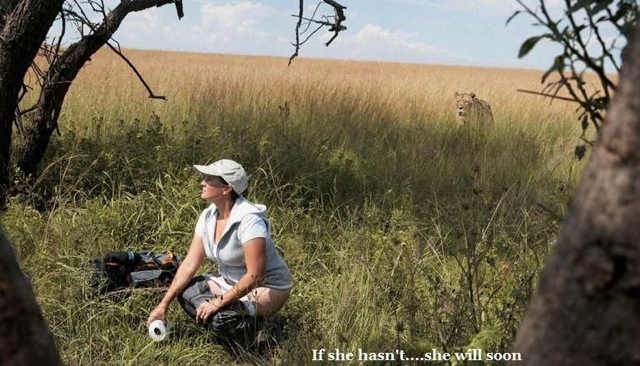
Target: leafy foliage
x=592 y=35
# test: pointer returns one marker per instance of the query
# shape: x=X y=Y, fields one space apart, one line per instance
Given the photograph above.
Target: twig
x=119 y=53
x=336 y=26
x=298 y=25
x=545 y=95
x=131 y=290
x=339 y=11
x=117 y=50
x=310 y=35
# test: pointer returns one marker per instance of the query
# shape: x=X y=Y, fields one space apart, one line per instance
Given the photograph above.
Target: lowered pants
x=231 y=322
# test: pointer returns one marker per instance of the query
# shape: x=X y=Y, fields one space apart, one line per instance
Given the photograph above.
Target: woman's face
x=213 y=188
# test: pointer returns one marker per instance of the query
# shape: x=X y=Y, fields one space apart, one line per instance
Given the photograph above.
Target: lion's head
x=464 y=104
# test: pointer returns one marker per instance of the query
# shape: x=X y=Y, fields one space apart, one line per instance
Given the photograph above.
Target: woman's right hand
x=160 y=312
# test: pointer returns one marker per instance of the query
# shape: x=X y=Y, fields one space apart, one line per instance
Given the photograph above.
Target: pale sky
x=455 y=32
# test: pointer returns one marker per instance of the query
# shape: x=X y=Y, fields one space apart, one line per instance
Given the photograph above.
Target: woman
x=235 y=233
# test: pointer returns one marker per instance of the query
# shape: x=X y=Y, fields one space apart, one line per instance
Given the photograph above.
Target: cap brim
x=206 y=170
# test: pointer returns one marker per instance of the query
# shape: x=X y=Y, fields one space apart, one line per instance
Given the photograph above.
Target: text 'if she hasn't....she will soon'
x=473 y=354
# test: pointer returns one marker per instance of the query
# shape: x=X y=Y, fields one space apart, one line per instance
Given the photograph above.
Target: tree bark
x=586 y=309
x=24 y=28
x=61 y=74
x=25 y=338
x=6 y=7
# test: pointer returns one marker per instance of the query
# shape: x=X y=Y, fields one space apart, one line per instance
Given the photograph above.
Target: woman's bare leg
x=267 y=300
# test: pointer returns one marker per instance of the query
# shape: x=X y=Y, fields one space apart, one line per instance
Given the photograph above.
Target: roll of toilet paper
x=158 y=331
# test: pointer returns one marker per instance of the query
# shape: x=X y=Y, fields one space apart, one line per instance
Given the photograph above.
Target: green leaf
x=558 y=65
x=585 y=123
x=580 y=151
x=528 y=45
x=513 y=16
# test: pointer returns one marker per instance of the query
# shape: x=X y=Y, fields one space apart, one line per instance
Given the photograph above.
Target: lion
x=473 y=110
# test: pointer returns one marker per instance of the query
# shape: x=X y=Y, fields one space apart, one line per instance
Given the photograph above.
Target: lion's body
x=472 y=110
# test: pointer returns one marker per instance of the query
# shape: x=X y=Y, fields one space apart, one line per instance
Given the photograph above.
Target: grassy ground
x=403 y=230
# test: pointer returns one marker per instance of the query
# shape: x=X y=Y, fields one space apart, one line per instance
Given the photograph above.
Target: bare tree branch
x=64 y=70
x=118 y=52
x=553 y=96
x=298 y=25
x=334 y=22
x=339 y=18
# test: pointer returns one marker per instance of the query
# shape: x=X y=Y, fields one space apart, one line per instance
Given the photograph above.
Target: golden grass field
x=416 y=93
x=403 y=230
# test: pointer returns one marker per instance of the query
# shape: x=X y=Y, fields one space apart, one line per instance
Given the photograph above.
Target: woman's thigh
x=268 y=300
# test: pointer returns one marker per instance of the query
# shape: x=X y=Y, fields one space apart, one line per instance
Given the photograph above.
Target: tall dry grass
x=414 y=93
x=403 y=231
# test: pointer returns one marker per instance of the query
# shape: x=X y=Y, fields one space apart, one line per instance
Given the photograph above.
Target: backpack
x=133 y=269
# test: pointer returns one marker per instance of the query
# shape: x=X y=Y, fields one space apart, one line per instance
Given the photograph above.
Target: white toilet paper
x=158 y=330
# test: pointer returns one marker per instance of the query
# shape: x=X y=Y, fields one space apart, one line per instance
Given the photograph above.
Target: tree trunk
x=24 y=28
x=25 y=338
x=586 y=310
x=60 y=76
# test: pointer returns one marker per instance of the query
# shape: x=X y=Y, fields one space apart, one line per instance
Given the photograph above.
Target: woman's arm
x=188 y=268
x=255 y=255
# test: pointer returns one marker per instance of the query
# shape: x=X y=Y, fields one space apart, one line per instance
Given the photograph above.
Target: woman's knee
x=267 y=300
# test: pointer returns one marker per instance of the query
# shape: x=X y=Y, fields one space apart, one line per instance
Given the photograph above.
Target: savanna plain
x=403 y=230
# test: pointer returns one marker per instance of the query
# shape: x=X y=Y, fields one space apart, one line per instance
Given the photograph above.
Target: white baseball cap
x=232 y=172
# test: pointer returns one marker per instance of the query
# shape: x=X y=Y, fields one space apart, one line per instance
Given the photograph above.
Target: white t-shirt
x=247 y=221
x=252 y=226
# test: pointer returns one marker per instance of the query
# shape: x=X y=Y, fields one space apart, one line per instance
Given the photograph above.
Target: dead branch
x=179 y=8
x=339 y=18
x=123 y=57
x=545 y=95
x=63 y=71
x=84 y=19
x=334 y=23
x=298 y=25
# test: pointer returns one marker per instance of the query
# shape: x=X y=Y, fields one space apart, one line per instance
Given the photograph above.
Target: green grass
x=402 y=230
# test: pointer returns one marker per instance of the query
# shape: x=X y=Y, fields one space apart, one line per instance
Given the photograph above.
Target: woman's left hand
x=205 y=310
